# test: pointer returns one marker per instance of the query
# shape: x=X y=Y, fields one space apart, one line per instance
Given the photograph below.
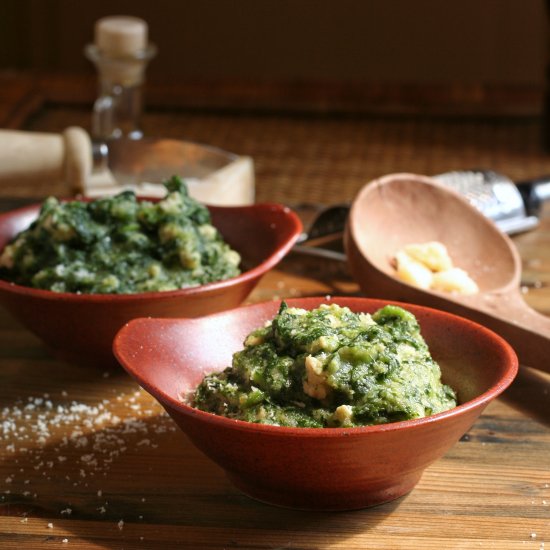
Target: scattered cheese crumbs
x=533 y=535
x=120 y=525
x=429 y=266
x=81 y=439
x=65 y=541
x=24 y=520
x=50 y=525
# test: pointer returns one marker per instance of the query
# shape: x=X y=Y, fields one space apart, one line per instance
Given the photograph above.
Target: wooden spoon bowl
x=401 y=209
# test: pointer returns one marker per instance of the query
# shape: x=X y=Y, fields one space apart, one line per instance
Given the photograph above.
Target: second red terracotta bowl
x=81 y=327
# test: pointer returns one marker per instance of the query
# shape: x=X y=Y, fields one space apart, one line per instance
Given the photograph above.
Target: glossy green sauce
x=329 y=367
x=119 y=245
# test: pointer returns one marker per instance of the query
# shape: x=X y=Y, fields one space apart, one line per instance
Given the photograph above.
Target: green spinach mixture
x=119 y=245
x=329 y=367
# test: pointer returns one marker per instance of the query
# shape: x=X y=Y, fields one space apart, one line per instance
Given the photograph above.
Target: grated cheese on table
x=87 y=439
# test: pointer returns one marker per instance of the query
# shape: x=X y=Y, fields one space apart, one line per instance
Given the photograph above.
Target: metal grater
x=512 y=207
x=495 y=195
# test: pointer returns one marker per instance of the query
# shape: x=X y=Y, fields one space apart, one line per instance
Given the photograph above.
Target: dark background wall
x=403 y=41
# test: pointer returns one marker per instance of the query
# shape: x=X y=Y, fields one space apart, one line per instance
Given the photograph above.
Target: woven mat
x=328 y=159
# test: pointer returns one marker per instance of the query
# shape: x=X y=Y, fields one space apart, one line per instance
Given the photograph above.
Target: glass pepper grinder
x=120 y=52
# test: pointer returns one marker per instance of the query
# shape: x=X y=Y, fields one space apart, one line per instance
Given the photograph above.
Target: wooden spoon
x=401 y=209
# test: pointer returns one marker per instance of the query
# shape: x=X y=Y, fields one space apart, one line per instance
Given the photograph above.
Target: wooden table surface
x=89 y=460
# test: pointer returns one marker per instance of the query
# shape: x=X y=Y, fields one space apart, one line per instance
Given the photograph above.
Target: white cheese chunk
x=454 y=280
x=429 y=266
x=413 y=272
x=432 y=254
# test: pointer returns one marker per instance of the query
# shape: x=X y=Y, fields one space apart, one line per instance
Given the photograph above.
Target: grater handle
x=534 y=193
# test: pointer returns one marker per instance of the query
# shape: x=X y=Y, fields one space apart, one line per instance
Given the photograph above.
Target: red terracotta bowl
x=314 y=468
x=81 y=327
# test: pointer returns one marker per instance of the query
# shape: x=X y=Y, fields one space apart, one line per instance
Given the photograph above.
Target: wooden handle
x=507 y=314
x=45 y=158
x=526 y=330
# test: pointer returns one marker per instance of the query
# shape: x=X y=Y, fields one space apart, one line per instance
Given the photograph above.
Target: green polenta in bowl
x=336 y=468
x=329 y=367
x=120 y=245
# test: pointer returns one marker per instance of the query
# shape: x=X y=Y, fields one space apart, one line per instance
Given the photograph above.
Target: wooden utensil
x=401 y=209
x=94 y=169
x=44 y=157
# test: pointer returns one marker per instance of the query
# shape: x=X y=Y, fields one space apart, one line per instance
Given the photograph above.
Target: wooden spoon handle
x=45 y=158
x=527 y=331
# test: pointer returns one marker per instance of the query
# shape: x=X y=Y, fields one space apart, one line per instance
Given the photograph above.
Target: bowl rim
x=480 y=401
x=295 y=228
